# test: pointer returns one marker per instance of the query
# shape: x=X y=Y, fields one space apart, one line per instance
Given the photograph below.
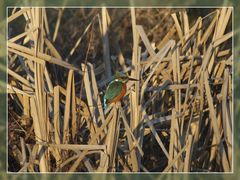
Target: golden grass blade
x=56 y=110
x=223 y=38
x=105 y=41
x=14 y=10
x=145 y=40
x=200 y=32
x=225 y=160
x=155 y=134
x=67 y=108
x=89 y=92
x=60 y=14
x=211 y=107
x=220 y=26
x=162 y=87
x=24 y=155
x=172 y=137
x=74 y=110
x=185 y=24
x=26 y=104
x=37 y=130
x=19 y=78
x=88 y=165
x=167 y=37
x=49 y=82
x=37 y=60
x=134 y=103
x=30 y=54
x=133 y=159
x=209 y=30
x=53 y=50
x=161 y=54
x=79 y=41
x=13 y=90
x=45 y=19
x=178 y=27
x=81 y=147
x=17 y=14
x=191 y=35
x=111 y=141
x=128 y=129
x=27 y=33
x=219 y=31
x=103 y=162
x=56 y=118
x=96 y=93
x=170 y=165
x=187 y=162
x=227 y=127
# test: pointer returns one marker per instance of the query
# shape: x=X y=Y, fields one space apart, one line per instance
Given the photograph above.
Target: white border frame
x=124 y=173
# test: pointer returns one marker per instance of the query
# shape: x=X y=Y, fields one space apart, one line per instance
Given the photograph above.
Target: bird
x=116 y=89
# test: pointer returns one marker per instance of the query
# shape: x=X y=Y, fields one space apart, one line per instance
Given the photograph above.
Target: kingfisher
x=116 y=89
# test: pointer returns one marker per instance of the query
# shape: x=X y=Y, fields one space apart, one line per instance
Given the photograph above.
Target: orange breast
x=122 y=93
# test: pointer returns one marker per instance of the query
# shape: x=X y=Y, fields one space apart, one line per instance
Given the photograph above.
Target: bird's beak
x=132 y=79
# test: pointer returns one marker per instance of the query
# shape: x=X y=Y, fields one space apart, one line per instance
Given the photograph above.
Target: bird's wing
x=113 y=90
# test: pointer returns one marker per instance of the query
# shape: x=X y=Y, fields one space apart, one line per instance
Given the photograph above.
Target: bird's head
x=123 y=77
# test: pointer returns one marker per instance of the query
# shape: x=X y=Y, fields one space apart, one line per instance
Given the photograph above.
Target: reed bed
x=176 y=118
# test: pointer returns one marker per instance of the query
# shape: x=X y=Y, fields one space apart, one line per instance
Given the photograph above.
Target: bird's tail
x=105 y=104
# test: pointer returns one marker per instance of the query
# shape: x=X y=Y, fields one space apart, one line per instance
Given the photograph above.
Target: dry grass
x=177 y=118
